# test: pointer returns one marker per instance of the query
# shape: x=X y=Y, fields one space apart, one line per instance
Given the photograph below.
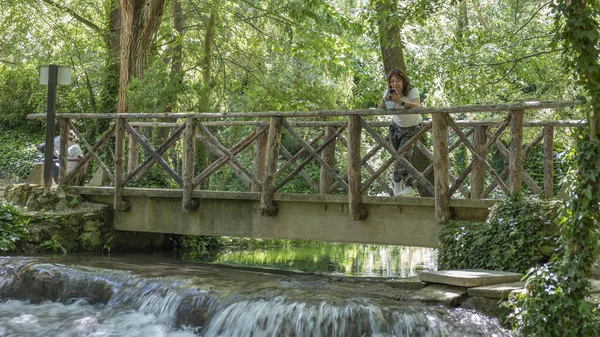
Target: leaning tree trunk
x=390 y=40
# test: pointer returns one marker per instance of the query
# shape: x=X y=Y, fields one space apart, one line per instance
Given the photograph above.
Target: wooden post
x=441 y=167
x=548 y=161
x=356 y=210
x=133 y=155
x=260 y=158
x=328 y=154
x=189 y=149
x=267 y=206
x=120 y=204
x=478 y=173
x=63 y=154
x=516 y=149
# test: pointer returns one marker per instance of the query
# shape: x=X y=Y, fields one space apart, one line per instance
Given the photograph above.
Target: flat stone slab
x=409 y=283
x=439 y=293
x=497 y=290
x=469 y=277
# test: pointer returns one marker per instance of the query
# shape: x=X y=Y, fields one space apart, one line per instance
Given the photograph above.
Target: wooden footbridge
x=340 y=156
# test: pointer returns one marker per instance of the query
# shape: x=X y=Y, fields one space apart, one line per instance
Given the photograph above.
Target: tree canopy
x=284 y=55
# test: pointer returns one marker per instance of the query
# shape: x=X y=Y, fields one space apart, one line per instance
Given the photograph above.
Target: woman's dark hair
x=406 y=85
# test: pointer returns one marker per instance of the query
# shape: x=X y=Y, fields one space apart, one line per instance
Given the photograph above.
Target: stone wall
x=64 y=222
x=61 y=221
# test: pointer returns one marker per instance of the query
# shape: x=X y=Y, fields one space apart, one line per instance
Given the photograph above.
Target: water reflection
x=338 y=259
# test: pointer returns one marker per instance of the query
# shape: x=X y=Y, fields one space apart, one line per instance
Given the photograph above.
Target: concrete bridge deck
x=392 y=220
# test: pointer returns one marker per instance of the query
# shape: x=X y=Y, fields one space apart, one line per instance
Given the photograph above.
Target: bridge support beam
x=267 y=205
x=441 y=167
x=356 y=210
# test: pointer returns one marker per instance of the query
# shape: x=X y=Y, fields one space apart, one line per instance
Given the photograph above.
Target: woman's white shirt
x=404 y=120
x=75 y=154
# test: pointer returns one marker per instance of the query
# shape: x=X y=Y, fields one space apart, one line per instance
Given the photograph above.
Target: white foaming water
x=275 y=317
x=49 y=319
x=209 y=302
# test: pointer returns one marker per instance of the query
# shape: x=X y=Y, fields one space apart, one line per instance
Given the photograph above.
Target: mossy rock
x=78 y=229
x=18 y=194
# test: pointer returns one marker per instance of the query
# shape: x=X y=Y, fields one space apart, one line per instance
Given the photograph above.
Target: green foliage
x=563 y=161
x=154 y=92
x=18 y=151
x=547 y=307
x=518 y=234
x=197 y=247
x=156 y=177
x=54 y=245
x=483 y=52
x=13 y=227
x=555 y=302
x=107 y=243
x=579 y=32
x=20 y=94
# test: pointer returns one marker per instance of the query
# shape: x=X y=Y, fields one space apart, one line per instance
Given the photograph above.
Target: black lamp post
x=52 y=76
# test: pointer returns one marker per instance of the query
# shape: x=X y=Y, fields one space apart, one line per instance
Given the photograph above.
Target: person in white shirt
x=75 y=154
x=401 y=94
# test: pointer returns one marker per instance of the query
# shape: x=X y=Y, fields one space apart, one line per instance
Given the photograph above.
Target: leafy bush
x=549 y=294
x=518 y=234
x=13 y=227
x=20 y=94
x=18 y=151
x=555 y=302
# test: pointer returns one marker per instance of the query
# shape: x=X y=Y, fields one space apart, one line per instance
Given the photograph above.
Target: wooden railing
x=273 y=166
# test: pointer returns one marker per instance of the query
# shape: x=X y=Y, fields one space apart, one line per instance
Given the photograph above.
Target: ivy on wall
x=519 y=233
x=13 y=227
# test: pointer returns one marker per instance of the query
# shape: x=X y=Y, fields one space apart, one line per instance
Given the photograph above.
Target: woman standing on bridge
x=401 y=94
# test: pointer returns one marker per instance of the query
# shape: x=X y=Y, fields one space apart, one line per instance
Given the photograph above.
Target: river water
x=346 y=259
x=150 y=295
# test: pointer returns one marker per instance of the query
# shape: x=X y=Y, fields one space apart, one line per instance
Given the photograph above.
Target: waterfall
x=45 y=298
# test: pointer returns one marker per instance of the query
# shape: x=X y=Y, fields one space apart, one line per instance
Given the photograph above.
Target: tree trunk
x=208 y=42
x=139 y=21
x=390 y=40
x=463 y=21
x=203 y=154
x=176 y=75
